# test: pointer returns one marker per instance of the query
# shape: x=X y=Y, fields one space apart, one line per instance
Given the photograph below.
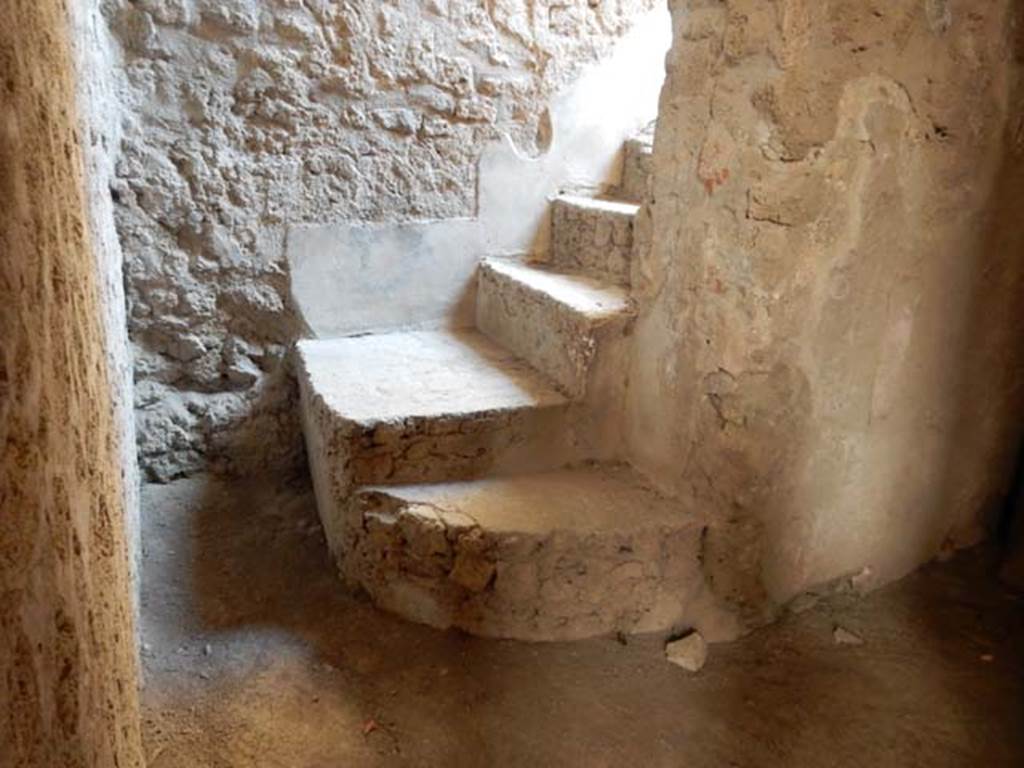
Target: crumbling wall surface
x=829 y=355
x=249 y=115
x=68 y=678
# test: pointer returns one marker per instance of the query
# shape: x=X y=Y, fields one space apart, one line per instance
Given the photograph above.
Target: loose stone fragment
x=689 y=652
x=843 y=636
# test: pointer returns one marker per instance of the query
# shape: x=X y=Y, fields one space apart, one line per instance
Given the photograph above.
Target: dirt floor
x=255 y=656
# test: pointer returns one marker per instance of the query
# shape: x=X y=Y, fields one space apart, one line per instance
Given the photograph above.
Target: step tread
x=588 y=296
x=593 y=499
x=421 y=374
x=597 y=204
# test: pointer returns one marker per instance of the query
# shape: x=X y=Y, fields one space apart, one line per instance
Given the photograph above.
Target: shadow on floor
x=256 y=656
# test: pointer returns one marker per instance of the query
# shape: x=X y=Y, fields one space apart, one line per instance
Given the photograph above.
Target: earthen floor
x=255 y=656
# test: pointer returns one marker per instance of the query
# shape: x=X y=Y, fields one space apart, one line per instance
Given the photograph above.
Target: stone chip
x=689 y=652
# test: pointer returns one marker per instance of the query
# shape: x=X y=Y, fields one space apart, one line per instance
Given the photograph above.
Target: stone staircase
x=473 y=477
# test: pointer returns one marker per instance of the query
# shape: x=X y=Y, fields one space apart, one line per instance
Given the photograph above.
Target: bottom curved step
x=546 y=556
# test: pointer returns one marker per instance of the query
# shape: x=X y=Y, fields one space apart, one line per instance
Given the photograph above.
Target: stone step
x=423 y=406
x=545 y=556
x=557 y=322
x=637 y=167
x=593 y=235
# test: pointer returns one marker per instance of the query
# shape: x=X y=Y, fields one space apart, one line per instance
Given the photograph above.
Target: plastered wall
x=243 y=117
x=68 y=676
x=829 y=353
x=101 y=115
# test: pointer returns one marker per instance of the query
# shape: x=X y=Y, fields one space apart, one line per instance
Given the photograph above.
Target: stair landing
x=420 y=374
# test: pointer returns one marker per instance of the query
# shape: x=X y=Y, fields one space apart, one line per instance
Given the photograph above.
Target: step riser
x=445 y=449
x=550 y=336
x=436 y=450
x=444 y=571
x=637 y=168
x=594 y=241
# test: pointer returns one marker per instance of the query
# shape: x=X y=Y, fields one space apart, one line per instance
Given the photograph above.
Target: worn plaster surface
x=68 y=675
x=243 y=118
x=829 y=346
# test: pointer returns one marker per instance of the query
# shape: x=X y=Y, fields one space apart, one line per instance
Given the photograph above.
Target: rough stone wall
x=249 y=115
x=68 y=677
x=830 y=348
